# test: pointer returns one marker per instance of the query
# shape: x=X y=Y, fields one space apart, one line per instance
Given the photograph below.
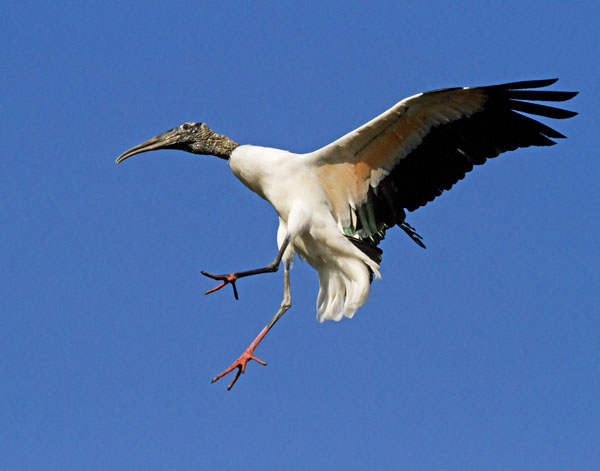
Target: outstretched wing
x=410 y=154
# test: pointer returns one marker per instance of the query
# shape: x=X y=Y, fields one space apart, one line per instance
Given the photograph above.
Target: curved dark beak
x=166 y=140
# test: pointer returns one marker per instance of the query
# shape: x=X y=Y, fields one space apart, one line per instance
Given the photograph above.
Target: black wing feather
x=449 y=151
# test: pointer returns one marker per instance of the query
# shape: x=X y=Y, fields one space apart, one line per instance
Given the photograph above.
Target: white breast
x=282 y=178
x=290 y=183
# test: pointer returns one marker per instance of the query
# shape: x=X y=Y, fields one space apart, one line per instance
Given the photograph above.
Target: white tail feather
x=343 y=288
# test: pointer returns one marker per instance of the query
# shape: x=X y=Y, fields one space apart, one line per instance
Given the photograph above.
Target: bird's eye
x=186 y=126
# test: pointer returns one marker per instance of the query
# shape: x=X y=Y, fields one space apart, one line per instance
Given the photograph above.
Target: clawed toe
x=226 y=279
x=240 y=364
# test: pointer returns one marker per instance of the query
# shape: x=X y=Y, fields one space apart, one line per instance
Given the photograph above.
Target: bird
x=335 y=204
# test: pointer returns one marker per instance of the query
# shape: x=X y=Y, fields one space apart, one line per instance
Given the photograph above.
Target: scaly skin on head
x=196 y=138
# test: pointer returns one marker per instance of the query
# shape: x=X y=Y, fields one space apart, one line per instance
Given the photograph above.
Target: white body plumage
x=288 y=181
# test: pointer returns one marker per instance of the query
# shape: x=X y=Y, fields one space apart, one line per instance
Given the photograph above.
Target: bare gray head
x=196 y=138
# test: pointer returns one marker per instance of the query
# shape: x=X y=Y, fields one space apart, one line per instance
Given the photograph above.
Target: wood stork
x=336 y=203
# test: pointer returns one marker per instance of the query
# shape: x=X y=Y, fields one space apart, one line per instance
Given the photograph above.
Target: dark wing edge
x=449 y=151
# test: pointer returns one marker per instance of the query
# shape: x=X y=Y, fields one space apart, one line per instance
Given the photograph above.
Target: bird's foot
x=226 y=279
x=240 y=364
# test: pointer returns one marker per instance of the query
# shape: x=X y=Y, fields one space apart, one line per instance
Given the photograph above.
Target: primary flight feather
x=336 y=203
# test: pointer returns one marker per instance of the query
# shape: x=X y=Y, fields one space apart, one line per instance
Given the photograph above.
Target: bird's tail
x=343 y=288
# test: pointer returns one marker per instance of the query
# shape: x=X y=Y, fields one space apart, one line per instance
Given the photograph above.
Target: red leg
x=243 y=360
x=248 y=354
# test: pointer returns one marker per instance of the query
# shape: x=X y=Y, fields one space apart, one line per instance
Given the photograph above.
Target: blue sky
x=480 y=352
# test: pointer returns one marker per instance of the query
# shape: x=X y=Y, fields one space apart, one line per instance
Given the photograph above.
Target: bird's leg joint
x=285 y=305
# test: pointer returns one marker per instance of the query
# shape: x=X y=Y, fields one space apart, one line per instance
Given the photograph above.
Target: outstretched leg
x=232 y=277
x=248 y=354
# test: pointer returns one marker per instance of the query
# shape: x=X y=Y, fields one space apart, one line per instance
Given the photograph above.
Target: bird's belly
x=301 y=193
x=320 y=245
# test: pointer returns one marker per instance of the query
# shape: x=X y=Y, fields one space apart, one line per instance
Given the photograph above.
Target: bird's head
x=196 y=138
